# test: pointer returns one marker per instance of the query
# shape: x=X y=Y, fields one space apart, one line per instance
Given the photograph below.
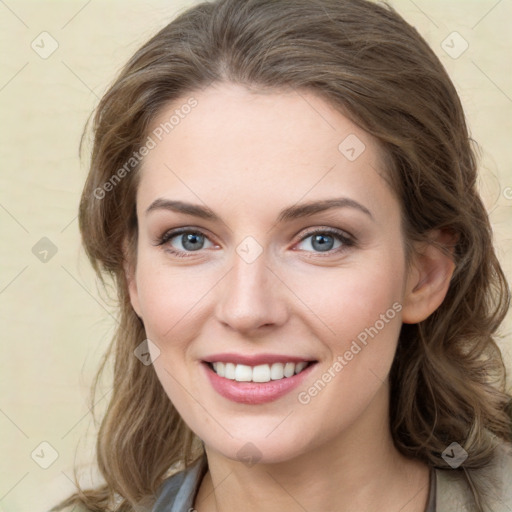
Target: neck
x=359 y=470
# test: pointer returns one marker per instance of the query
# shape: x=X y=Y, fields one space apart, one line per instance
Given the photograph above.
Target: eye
x=185 y=241
x=327 y=240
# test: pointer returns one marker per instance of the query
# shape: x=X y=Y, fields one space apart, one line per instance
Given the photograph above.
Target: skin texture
x=246 y=155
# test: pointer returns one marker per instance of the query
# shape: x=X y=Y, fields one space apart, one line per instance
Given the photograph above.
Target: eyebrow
x=291 y=213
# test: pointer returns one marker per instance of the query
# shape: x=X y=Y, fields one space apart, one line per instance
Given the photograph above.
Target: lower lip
x=255 y=393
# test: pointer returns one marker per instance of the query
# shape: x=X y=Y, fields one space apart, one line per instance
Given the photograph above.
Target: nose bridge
x=250 y=296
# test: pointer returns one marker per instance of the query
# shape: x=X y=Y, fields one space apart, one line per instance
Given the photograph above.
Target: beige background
x=55 y=323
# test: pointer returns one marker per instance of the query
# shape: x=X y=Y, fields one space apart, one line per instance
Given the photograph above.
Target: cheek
x=347 y=300
x=367 y=321
x=361 y=307
x=372 y=309
x=170 y=298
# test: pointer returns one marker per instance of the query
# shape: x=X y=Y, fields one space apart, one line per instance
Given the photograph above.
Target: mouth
x=257 y=383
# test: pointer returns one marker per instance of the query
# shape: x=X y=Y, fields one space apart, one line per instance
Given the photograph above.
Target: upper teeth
x=260 y=373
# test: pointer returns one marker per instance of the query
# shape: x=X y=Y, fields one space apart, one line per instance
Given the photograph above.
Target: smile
x=255 y=380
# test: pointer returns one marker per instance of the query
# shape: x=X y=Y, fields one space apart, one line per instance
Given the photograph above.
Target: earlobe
x=429 y=279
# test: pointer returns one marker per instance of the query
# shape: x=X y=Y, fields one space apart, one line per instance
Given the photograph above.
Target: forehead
x=245 y=146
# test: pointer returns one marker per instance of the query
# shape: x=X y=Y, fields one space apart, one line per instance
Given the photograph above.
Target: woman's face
x=267 y=235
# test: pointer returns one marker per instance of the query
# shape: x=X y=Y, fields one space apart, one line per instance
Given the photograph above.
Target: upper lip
x=254 y=359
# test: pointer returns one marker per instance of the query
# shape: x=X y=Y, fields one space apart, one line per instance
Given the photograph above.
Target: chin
x=258 y=449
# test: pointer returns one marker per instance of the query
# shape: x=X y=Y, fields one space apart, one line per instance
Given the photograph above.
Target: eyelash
x=347 y=241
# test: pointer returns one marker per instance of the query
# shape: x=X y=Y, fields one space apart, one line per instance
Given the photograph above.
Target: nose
x=251 y=296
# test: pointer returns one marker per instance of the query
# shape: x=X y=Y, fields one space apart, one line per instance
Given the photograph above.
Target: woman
x=284 y=193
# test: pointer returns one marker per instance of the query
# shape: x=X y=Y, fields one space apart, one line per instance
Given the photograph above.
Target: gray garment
x=178 y=492
x=432 y=495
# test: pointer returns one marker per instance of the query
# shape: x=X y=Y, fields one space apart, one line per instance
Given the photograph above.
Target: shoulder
x=453 y=493
x=177 y=492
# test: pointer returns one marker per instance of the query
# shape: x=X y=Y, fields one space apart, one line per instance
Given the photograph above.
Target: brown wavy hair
x=448 y=377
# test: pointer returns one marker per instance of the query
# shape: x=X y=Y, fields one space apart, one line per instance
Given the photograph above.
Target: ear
x=429 y=277
x=129 y=267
